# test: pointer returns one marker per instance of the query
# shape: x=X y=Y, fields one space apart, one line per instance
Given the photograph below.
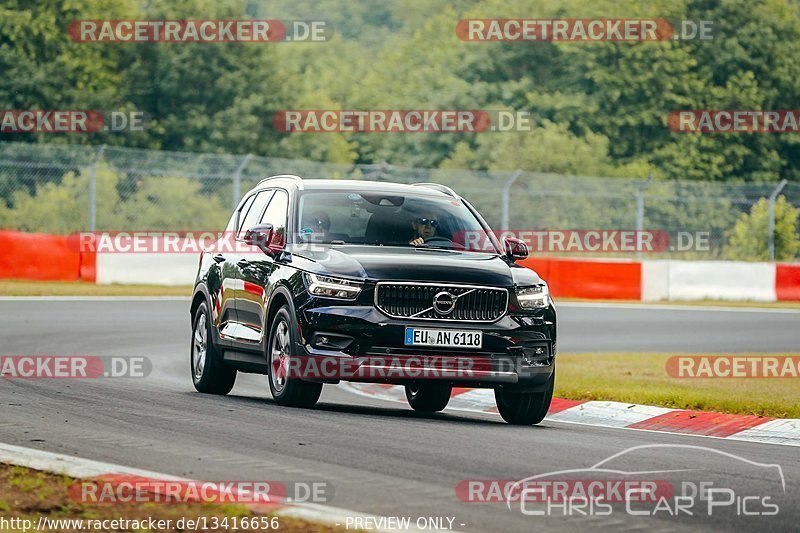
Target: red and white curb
x=79 y=468
x=620 y=415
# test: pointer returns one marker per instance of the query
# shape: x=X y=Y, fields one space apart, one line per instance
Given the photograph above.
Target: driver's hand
x=419 y=241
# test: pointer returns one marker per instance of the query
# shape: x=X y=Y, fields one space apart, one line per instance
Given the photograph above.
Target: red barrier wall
x=787 y=282
x=38 y=256
x=573 y=278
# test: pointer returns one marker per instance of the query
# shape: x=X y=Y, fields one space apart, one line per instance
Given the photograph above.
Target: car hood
x=379 y=263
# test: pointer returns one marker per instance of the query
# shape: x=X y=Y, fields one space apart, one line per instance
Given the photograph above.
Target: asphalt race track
x=379 y=457
x=591 y=327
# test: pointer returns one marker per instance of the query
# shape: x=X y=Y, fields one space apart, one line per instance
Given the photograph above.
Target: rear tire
x=209 y=374
x=428 y=397
x=288 y=391
x=524 y=408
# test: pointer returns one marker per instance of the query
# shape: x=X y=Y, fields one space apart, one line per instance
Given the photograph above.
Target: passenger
x=320 y=224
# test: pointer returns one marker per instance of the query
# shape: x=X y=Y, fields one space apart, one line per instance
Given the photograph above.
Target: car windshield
x=390 y=219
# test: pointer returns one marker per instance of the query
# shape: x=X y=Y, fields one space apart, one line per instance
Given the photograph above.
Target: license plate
x=448 y=338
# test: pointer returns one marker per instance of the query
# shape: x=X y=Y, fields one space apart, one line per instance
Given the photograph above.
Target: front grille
x=415 y=301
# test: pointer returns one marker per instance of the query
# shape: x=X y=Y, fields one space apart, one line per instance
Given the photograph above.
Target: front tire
x=524 y=408
x=209 y=374
x=428 y=397
x=287 y=390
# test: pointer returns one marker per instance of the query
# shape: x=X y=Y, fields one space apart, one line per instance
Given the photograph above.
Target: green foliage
x=172 y=203
x=43 y=69
x=608 y=100
x=749 y=242
x=58 y=207
x=158 y=203
x=598 y=108
x=548 y=148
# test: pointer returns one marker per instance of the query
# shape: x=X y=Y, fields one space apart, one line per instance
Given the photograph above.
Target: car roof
x=359 y=185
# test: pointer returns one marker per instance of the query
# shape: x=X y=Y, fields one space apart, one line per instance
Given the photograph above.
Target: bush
x=750 y=238
x=151 y=203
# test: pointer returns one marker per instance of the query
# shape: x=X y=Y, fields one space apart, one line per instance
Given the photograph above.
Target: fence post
x=237 y=180
x=771 y=221
x=93 y=189
x=640 y=210
x=506 y=199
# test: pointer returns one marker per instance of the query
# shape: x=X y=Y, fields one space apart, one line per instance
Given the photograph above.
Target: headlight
x=331 y=287
x=535 y=297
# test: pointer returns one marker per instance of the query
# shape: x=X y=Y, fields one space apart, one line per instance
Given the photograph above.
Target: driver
x=425 y=226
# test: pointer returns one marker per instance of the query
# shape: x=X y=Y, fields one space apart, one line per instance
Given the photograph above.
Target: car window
x=391 y=219
x=276 y=214
x=238 y=216
x=253 y=212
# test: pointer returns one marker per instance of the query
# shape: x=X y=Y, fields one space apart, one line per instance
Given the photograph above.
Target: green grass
x=29 y=494
x=82 y=288
x=642 y=378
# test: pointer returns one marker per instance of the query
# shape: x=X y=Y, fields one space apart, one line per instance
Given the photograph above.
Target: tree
x=609 y=99
x=43 y=69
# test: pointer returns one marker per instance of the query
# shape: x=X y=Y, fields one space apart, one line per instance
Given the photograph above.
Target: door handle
x=219 y=258
x=243 y=263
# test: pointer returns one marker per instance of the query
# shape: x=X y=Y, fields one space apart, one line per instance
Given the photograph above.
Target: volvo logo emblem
x=444 y=303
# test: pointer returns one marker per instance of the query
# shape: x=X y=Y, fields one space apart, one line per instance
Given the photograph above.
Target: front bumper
x=518 y=351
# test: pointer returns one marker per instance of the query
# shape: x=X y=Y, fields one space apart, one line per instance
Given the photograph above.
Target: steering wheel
x=437 y=239
x=444 y=241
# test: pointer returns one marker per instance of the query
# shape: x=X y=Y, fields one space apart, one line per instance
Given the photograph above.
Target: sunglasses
x=432 y=222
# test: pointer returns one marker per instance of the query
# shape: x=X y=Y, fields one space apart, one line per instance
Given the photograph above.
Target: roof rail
x=438 y=187
x=282 y=176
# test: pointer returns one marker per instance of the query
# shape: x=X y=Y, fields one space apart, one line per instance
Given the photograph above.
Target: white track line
x=613 y=415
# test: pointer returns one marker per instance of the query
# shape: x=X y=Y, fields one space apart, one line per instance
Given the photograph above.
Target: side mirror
x=516 y=248
x=265 y=238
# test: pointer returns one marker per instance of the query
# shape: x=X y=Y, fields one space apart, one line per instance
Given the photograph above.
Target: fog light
x=536 y=355
x=331 y=341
